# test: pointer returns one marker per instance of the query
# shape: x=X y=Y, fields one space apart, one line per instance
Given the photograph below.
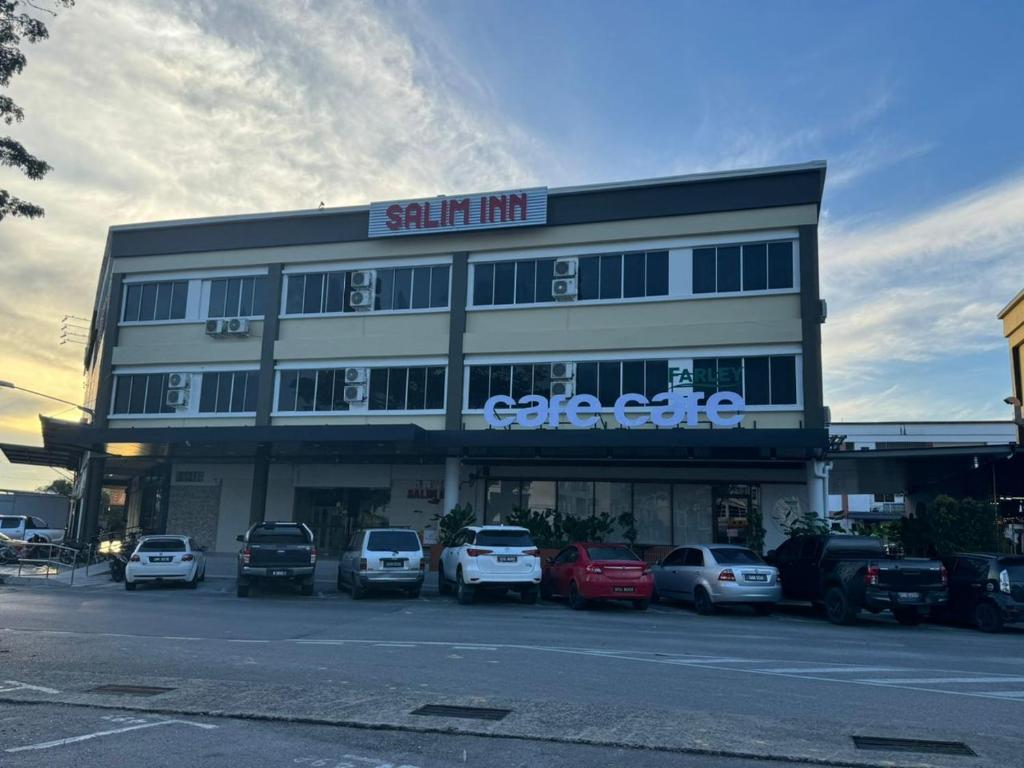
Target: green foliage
x=946 y=526
x=18 y=26
x=450 y=524
x=59 y=486
x=807 y=523
x=755 y=529
x=539 y=524
x=553 y=530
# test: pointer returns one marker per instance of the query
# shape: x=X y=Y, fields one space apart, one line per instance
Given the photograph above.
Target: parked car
x=584 y=572
x=986 y=590
x=381 y=558
x=276 y=552
x=846 y=573
x=165 y=558
x=718 y=574
x=490 y=558
x=30 y=528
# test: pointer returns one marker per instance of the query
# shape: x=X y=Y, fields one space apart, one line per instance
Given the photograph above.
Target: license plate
x=756 y=577
x=623 y=589
x=279 y=573
x=507 y=558
x=160 y=559
x=393 y=563
x=908 y=595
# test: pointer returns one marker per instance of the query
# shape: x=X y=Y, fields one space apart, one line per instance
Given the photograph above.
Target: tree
x=59 y=486
x=19 y=24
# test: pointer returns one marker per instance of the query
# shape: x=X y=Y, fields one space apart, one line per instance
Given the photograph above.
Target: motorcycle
x=8 y=555
x=117 y=552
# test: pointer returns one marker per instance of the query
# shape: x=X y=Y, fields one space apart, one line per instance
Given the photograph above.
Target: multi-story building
x=366 y=364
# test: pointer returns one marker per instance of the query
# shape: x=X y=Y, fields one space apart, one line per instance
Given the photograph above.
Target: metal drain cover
x=135 y=690
x=879 y=743
x=468 y=713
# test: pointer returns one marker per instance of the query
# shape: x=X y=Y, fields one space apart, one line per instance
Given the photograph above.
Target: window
x=769 y=380
x=608 y=276
x=750 y=267
x=396 y=288
x=732 y=505
x=162 y=545
x=420 y=388
x=141 y=393
x=675 y=557
x=392 y=541
x=735 y=556
x=228 y=392
x=511 y=537
x=486 y=381
x=148 y=302
x=611 y=553
x=237 y=297
x=694 y=557
x=280 y=534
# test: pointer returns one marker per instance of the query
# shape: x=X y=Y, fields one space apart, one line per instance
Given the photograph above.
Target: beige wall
x=360 y=336
x=184 y=343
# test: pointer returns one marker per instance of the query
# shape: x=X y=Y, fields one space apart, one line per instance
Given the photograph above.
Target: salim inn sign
x=459 y=213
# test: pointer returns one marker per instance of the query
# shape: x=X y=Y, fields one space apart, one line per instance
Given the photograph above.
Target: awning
x=63 y=458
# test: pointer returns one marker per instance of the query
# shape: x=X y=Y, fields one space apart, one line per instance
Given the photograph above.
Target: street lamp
x=82 y=408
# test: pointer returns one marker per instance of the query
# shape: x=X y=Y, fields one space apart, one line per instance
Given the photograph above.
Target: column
x=260 y=481
x=817 y=487
x=452 y=470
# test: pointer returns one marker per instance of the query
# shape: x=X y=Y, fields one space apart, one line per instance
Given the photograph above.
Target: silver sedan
x=716 y=574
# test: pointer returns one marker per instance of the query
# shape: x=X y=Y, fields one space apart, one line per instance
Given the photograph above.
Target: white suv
x=492 y=558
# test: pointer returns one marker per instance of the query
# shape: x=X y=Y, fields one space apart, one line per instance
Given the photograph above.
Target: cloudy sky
x=154 y=110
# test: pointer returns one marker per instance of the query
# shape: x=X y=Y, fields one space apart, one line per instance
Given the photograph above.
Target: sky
x=152 y=110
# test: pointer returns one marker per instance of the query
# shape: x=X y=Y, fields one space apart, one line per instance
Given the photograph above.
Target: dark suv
x=276 y=552
x=985 y=590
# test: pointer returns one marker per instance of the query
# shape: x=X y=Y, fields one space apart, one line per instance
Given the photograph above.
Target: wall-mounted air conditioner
x=564 y=288
x=179 y=380
x=236 y=326
x=215 y=327
x=564 y=388
x=177 y=398
x=355 y=393
x=363 y=278
x=356 y=375
x=566 y=267
x=563 y=371
x=361 y=300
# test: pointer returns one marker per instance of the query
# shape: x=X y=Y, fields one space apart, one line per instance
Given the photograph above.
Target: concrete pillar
x=817 y=487
x=260 y=480
x=92 y=496
x=452 y=470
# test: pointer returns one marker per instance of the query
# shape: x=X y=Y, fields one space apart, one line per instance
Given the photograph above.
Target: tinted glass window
x=586 y=378
x=10 y=522
x=589 y=277
x=504 y=282
x=506 y=538
x=633 y=376
x=655 y=377
x=393 y=541
x=162 y=545
x=608 y=383
x=396 y=389
x=755 y=267
x=421 y=287
x=780 y=265
x=379 y=389
x=545 y=274
x=657 y=273
x=384 y=289
x=306 y=389
x=730 y=374
x=634 y=275
x=694 y=557
x=403 y=288
x=756 y=380
x=483 y=284
x=479 y=384
x=294 y=293
x=611 y=277
x=610 y=553
x=704 y=269
x=133 y=295
x=526 y=282
x=729 y=556
x=729 y=269
x=280 y=534
x=417 y=389
x=439 y=286
x=675 y=557
x=435 y=387
x=501 y=380
x=783 y=380
x=334 y=301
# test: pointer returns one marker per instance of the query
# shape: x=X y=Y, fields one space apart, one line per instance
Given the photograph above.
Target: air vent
x=466 y=713
x=564 y=289
x=565 y=267
x=883 y=744
x=563 y=370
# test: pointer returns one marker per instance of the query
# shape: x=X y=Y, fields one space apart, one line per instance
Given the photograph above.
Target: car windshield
x=162 y=545
x=504 y=538
x=610 y=553
x=1014 y=566
x=393 y=541
x=9 y=522
x=735 y=556
x=285 y=534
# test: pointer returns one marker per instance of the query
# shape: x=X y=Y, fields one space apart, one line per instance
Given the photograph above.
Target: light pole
x=82 y=408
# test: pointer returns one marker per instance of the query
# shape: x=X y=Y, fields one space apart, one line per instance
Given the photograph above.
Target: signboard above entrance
x=433 y=215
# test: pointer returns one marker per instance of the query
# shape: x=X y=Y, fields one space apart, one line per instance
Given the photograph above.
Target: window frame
x=192 y=411
x=127 y=285
x=794 y=242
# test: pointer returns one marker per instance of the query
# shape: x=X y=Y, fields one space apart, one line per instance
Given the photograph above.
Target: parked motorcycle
x=8 y=555
x=117 y=552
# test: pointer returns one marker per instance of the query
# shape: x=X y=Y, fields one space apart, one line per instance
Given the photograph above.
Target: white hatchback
x=492 y=558
x=165 y=558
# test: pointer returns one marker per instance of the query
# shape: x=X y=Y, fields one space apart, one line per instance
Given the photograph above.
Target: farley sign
x=668 y=409
x=432 y=215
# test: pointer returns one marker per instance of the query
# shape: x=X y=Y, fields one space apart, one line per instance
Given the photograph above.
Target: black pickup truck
x=847 y=573
x=276 y=552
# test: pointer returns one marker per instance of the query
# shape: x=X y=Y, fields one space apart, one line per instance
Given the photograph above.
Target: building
x=366 y=365
x=51 y=507
x=1012 y=316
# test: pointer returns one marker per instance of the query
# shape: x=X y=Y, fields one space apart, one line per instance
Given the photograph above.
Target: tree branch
x=12 y=206
x=9 y=111
x=14 y=155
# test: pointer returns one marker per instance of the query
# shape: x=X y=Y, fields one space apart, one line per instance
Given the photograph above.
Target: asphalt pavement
x=315 y=679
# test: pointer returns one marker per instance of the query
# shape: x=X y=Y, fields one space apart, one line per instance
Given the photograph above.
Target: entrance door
x=334 y=514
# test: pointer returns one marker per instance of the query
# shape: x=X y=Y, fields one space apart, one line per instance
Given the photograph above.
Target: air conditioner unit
x=236 y=326
x=563 y=371
x=564 y=289
x=566 y=267
x=361 y=300
x=177 y=398
x=355 y=393
x=214 y=327
x=179 y=380
x=356 y=375
x=364 y=278
x=564 y=388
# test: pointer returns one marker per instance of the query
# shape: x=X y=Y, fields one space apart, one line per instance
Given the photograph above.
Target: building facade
x=649 y=348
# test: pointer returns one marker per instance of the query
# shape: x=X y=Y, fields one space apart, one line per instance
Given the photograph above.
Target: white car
x=30 y=528
x=165 y=558
x=492 y=558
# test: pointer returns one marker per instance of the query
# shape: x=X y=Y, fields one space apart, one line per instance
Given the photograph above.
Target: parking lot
x=788 y=686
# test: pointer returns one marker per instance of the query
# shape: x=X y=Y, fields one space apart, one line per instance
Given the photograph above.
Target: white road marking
x=19 y=686
x=474 y=648
x=1009 y=694
x=394 y=645
x=233 y=640
x=822 y=670
x=112 y=732
x=941 y=680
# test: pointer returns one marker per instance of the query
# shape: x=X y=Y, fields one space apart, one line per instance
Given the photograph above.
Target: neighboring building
x=51 y=507
x=1012 y=316
x=340 y=366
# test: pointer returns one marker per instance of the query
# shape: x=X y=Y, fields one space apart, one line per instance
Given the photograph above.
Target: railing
x=889 y=507
x=57 y=555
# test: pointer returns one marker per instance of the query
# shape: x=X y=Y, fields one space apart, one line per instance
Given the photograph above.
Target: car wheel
x=837 y=607
x=908 y=617
x=242 y=590
x=529 y=595
x=442 y=584
x=576 y=601
x=463 y=592
x=702 y=602
x=129 y=585
x=641 y=605
x=763 y=609
x=358 y=591
x=193 y=583
x=987 y=617
x=307 y=588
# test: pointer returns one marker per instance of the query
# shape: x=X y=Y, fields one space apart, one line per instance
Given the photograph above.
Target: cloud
x=152 y=110
x=922 y=290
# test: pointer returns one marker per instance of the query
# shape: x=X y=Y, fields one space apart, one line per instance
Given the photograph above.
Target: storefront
x=646 y=351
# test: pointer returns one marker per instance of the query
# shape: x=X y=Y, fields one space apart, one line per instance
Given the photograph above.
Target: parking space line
x=1009 y=694
x=941 y=680
x=822 y=670
x=19 y=686
x=394 y=645
x=111 y=732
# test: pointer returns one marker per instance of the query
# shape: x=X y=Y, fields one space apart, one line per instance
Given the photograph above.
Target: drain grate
x=469 y=713
x=879 y=743
x=135 y=690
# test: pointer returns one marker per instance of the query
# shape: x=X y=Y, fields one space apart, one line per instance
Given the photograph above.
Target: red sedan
x=583 y=572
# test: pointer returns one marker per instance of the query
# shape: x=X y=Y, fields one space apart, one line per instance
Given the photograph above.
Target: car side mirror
x=240 y=537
